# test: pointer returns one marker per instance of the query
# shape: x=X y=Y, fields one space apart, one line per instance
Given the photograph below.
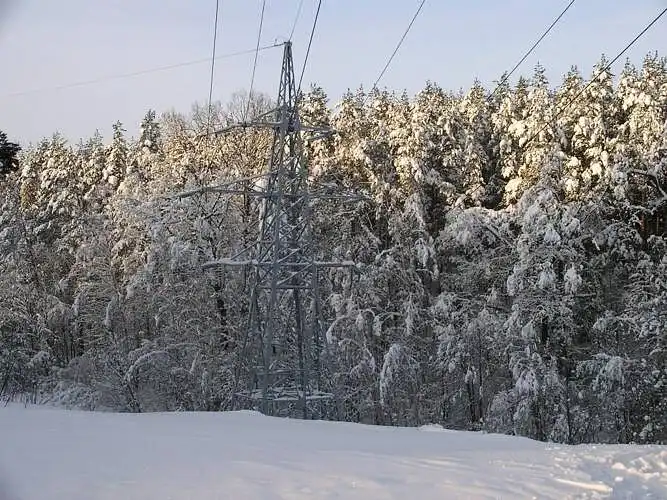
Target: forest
x=510 y=248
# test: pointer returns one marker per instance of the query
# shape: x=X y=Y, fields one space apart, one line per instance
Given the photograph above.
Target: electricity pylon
x=281 y=349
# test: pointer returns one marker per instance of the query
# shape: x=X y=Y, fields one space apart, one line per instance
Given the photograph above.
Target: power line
x=400 y=42
x=530 y=51
x=296 y=19
x=121 y=76
x=254 y=64
x=210 y=86
x=603 y=70
x=310 y=43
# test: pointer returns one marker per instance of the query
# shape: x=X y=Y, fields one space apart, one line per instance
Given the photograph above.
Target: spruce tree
x=8 y=155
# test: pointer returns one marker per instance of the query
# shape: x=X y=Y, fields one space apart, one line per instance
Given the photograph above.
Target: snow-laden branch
x=653 y=176
x=143 y=359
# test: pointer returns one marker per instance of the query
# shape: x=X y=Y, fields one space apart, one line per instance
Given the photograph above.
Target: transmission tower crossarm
x=216 y=188
x=254 y=262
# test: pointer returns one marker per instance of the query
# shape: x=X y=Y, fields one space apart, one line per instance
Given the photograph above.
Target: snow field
x=53 y=454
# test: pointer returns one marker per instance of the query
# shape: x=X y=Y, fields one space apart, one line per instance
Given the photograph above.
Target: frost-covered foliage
x=510 y=254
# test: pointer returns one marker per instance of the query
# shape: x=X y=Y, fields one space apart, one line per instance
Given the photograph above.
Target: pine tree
x=533 y=132
x=117 y=158
x=92 y=157
x=314 y=111
x=542 y=327
x=8 y=156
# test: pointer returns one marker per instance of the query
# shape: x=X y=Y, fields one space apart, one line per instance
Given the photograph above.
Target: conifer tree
x=117 y=158
x=8 y=155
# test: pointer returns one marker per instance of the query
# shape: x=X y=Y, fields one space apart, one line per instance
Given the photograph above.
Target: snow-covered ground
x=51 y=454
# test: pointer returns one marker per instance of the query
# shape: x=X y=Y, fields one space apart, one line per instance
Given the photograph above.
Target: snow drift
x=52 y=454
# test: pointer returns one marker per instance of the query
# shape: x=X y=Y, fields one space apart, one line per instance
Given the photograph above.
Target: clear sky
x=47 y=43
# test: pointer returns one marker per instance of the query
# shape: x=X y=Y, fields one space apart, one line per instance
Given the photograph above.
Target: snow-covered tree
x=508 y=247
x=542 y=329
x=117 y=158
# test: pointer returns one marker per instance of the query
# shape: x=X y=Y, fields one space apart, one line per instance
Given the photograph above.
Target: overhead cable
x=296 y=19
x=398 y=46
x=530 y=51
x=254 y=64
x=559 y=112
x=310 y=43
x=121 y=76
x=210 y=87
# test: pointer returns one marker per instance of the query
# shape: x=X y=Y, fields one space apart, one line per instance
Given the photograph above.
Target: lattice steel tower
x=281 y=348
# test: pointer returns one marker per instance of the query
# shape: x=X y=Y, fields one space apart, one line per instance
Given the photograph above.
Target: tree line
x=510 y=249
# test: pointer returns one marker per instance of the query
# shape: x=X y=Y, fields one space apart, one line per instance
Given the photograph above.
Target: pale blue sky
x=50 y=43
